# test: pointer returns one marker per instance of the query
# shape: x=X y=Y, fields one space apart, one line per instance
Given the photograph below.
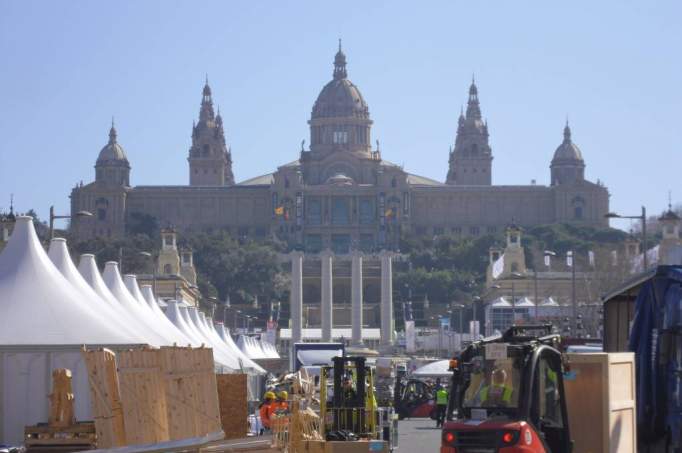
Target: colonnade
x=326 y=296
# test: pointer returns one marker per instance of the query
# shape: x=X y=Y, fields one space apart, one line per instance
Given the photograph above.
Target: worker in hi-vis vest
x=441 y=405
x=498 y=393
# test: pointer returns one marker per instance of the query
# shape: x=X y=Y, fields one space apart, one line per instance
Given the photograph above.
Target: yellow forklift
x=348 y=408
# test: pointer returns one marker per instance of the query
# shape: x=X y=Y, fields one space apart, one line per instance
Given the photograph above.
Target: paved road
x=418 y=435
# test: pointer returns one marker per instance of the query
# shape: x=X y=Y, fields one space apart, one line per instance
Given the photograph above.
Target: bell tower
x=471 y=160
x=210 y=161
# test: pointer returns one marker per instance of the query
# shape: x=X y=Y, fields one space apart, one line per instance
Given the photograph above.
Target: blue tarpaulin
x=656 y=339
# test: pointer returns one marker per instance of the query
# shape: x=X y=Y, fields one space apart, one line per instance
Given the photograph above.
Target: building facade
x=340 y=193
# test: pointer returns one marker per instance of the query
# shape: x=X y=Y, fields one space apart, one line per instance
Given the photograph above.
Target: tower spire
x=567 y=132
x=340 y=64
x=473 y=107
x=112 y=132
x=206 y=112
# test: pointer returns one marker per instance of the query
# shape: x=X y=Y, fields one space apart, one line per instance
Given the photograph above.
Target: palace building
x=340 y=193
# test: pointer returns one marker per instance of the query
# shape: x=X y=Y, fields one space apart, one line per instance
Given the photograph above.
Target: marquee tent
x=434 y=369
x=161 y=323
x=113 y=280
x=44 y=321
x=224 y=334
x=88 y=269
x=174 y=316
x=221 y=354
x=59 y=255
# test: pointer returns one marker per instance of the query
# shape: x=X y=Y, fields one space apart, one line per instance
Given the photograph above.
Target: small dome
x=112 y=151
x=339 y=179
x=567 y=151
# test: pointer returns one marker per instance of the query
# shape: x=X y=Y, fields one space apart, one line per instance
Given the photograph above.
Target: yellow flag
x=388 y=213
x=279 y=210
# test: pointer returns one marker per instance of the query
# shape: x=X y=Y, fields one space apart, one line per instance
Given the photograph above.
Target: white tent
x=44 y=321
x=220 y=354
x=112 y=279
x=524 y=302
x=224 y=334
x=38 y=305
x=88 y=269
x=249 y=347
x=59 y=255
x=159 y=320
x=434 y=369
x=174 y=316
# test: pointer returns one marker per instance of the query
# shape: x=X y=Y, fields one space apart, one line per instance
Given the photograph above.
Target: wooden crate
x=191 y=391
x=105 y=398
x=600 y=396
x=143 y=396
x=233 y=405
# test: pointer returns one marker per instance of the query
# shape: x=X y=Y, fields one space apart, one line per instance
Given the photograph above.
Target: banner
x=410 y=337
x=569 y=259
x=445 y=323
x=590 y=256
x=474 y=329
x=498 y=267
x=548 y=260
x=271 y=332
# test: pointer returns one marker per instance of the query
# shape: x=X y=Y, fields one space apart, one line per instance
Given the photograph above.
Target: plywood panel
x=233 y=405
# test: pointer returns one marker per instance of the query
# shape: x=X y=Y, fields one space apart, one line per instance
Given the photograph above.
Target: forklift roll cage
x=531 y=349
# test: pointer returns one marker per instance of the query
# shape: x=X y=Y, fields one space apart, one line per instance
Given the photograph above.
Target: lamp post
x=514 y=275
x=53 y=217
x=642 y=218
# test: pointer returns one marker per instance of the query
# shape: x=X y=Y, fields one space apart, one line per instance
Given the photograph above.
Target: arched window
x=167 y=269
x=515 y=267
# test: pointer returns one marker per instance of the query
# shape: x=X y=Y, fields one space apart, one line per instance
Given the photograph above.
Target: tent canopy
x=38 y=306
x=434 y=369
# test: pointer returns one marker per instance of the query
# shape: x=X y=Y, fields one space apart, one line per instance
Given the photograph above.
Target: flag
x=590 y=257
x=569 y=258
x=389 y=213
x=410 y=337
x=279 y=210
x=548 y=260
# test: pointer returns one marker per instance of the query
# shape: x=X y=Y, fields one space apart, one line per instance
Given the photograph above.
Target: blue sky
x=613 y=67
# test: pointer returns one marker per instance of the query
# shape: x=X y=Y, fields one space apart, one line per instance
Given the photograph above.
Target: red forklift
x=507 y=395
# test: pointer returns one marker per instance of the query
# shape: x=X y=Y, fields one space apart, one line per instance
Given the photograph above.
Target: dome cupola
x=340 y=116
x=112 y=166
x=568 y=166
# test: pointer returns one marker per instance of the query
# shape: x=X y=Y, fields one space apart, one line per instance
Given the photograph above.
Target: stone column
x=326 y=308
x=356 y=298
x=296 y=300
x=386 y=298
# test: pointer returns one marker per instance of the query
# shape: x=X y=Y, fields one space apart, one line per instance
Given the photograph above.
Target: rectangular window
x=474 y=231
x=340 y=211
x=314 y=214
x=438 y=231
x=340 y=243
x=367 y=214
x=367 y=242
x=491 y=230
x=101 y=214
x=313 y=243
x=340 y=137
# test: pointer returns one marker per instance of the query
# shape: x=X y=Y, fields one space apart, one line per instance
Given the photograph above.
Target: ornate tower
x=169 y=260
x=210 y=161
x=471 y=160
x=340 y=117
x=568 y=166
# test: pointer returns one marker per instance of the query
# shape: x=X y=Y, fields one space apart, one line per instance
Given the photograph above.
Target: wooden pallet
x=42 y=437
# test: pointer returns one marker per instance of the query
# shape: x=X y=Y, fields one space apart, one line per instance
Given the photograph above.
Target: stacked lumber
x=146 y=395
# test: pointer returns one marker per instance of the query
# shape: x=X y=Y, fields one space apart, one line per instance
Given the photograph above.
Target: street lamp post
x=642 y=218
x=53 y=217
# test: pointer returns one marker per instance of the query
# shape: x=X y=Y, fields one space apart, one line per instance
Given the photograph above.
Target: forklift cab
x=508 y=391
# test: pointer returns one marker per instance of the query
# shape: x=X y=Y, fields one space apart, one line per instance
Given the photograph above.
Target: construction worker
x=281 y=405
x=441 y=405
x=265 y=409
x=498 y=393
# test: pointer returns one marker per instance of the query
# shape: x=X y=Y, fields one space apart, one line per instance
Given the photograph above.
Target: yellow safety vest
x=506 y=393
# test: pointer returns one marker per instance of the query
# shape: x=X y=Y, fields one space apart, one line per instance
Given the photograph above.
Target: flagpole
x=575 y=305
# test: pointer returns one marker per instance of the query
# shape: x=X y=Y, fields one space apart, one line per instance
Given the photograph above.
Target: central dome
x=340 y=117
x=340 y=97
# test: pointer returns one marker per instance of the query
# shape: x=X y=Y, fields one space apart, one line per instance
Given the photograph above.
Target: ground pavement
x=418 y=435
